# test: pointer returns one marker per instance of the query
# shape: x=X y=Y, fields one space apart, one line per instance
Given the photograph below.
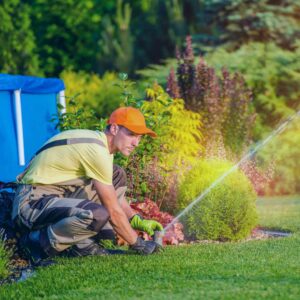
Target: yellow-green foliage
x=92 y=91
x=227 y=212
x=179 y=130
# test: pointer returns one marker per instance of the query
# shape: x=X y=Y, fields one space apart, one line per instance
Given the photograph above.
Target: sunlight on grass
x=279 y=212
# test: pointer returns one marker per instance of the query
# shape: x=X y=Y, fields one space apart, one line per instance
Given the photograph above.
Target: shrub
x=76 y=117
x=227 y=212
x=93 y=92
x=4 y=259
x=223 y=101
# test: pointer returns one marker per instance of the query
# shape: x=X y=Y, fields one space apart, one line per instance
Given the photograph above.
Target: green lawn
x=280 y=212
x=267 y=269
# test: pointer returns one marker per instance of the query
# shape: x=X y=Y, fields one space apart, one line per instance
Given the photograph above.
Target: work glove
x=145 y=247
x=149 y=226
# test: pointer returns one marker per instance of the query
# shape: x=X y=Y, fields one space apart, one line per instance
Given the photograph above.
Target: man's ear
x=114 y=128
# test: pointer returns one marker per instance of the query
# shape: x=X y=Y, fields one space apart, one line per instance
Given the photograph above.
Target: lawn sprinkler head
x=158 y=237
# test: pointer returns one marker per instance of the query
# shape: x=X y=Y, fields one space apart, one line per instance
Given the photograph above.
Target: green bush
x=93 y=92
x=227 y=212
x=4 y=259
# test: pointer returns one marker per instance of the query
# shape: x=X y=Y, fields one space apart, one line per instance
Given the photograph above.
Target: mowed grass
x=280 y=213
x=265 y=269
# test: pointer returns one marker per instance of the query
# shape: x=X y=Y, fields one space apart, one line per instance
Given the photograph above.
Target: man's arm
x=129 y=212
x=117 y=215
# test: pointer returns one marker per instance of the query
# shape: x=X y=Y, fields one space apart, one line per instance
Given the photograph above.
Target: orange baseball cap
x=132 y=119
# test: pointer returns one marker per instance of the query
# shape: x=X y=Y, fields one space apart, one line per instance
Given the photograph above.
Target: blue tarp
x=30 y=84
x=39 y=105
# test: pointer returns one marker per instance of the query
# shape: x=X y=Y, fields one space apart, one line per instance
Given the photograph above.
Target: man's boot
x=91 y=249
x=30 y=248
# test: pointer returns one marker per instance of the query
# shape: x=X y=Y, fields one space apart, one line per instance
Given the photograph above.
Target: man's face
x=125 y=140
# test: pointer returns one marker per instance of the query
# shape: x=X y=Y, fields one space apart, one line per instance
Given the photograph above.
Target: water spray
x=158 y=237
x=235 y=167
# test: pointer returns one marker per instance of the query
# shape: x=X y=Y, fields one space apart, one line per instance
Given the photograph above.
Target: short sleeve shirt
x=68 y=162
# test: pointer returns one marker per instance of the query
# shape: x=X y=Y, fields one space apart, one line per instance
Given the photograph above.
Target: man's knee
x=119 y=177
x=100 y=216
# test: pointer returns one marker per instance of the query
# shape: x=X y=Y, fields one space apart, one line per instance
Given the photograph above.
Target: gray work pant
x=66 y=214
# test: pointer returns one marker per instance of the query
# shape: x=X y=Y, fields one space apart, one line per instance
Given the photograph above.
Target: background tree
x=238 y=22
x=67 y=33
x=116 y=42
x=18 y=46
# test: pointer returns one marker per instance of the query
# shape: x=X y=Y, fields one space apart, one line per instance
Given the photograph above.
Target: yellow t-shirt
x=68 y=162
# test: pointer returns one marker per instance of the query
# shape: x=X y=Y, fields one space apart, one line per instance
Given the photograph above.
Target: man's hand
x=149 y=226
x=145 y=247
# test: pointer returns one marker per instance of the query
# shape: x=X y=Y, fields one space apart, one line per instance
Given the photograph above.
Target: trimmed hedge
x=227 y=212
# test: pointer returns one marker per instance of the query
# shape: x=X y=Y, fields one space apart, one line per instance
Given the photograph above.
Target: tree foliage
x=116 y=41
x=17 y=41
x=238 y=22
x=66 y=33
x=126 y=35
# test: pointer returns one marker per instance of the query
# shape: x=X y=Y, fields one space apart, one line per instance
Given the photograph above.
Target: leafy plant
x=227 y=212
x=100 y=94
x=77 y=118
x=224 y=102
x=149 y=210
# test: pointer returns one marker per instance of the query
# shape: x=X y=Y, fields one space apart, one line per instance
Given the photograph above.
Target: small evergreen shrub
x=227 y=212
